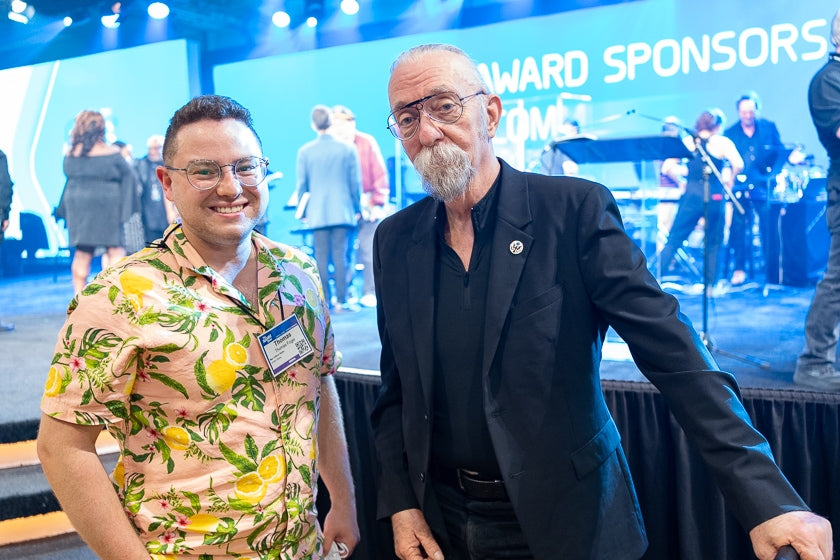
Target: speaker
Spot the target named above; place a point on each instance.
(805, 242)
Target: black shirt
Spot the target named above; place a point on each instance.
(460, 436)
(823, 97)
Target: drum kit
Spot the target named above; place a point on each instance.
(793, 181)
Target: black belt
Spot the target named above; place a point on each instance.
(474, 485)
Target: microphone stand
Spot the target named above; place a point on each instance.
(711, 168)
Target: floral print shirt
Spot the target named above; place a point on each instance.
(218, 454)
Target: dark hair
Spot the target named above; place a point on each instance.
(204, 107)
(88, 129)
(709, 120)
(321, 117)
(749, 96)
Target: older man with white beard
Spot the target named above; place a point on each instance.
(493, 298)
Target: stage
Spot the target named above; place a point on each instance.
(758, 333)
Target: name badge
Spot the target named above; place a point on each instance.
(285, 345)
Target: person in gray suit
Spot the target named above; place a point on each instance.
(329, 185)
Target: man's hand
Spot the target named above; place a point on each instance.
(341, 526)
(413, 539)
(808, 533)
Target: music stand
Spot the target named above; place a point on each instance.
(625, 149)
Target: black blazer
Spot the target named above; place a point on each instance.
(548, 309)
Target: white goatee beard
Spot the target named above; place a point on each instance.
(446, 171)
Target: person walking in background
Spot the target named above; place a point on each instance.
(156, 210)
(816, 364)
(693, 205)
(98, 197)
(223, 432)
(5, 208)
(375, 194)
(329, 184)
(760, 145)
(494, 296)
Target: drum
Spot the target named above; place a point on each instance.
(790, 184)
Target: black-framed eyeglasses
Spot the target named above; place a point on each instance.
(444, 107)
(205, 174)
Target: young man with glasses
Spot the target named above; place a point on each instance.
(494, 295)
(208, 357)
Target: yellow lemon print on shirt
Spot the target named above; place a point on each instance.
(220, 376)
(203, 523)
(53, 386)
(236, 355)
(272, 468)
(250, 488)
(176, 437)
(118, 475)
(135, 286)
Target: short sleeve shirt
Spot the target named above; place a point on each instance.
(218, 454)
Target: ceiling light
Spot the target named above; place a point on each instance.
(21, 12)
(158, 10)
(281, 19)
(311, 21)
(350, 7)
(111, 21)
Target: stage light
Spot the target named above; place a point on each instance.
(158, 10)
(111, 22)
(21, 12)
(311, 21)
(68, 21)
(281, 19)
(350, 7)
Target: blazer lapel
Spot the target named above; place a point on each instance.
(420, 264)
(511, 245)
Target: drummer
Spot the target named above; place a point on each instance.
(759, 143)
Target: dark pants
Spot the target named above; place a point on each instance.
(479, 530)
(331, 246)
(690, 211)
(821, 325)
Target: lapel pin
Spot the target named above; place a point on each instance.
(516, 247)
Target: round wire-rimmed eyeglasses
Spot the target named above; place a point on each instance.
(205, 174)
